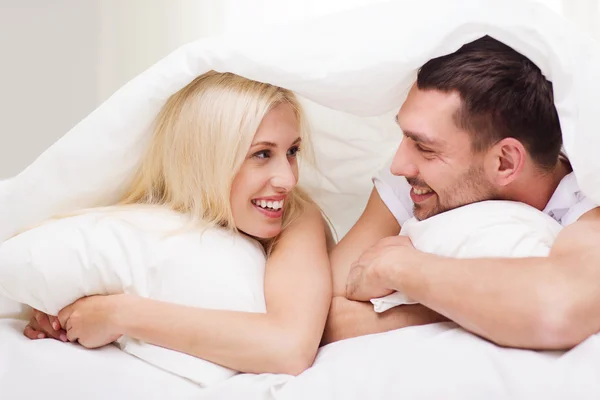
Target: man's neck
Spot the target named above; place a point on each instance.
(538, 188)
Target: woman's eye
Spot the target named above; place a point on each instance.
(262, 154)
(293, 151)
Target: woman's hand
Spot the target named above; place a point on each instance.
(91, 320)
(42, 326)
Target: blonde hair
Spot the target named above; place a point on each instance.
(201, 138)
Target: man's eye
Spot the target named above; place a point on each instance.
(423, 149)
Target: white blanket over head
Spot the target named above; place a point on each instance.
(353, 71)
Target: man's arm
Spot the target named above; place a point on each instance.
(349, 318)
(538, 303)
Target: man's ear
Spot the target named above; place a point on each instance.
(505, 161)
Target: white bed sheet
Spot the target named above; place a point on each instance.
(12, 309)
(438, 361)
(49, 369)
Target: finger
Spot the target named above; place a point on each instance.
(54, 322)
(37, 329)
(45, 326)
(399, 240)
(33, 334)
(350, 290)
(33, 323)
(72, 335)
(368, 254)
(403, 241)
(65, 314)
(42, 322)
(352, 281)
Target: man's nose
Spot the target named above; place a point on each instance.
(402, 164)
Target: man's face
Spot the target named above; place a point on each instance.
(435, 155)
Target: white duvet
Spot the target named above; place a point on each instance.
(352, 71)
(438, 361)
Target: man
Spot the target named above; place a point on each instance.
(478, 124)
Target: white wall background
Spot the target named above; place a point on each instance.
(60, 59)
(48, 74)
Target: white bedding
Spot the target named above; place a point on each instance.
(438, 361)
(147, 251)
(357, 63)
(49, 369)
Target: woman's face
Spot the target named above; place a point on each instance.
(268, 174)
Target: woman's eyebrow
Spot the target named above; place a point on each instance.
(271, 144)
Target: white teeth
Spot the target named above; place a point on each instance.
(421, 191)
(274, 205)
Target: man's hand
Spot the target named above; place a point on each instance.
(369, 275)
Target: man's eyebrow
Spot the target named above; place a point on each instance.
(419, 137)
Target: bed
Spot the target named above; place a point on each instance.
(427, 362)
(351, 89)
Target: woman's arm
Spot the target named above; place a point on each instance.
(349, 318)
(375, 223)
(284, 340)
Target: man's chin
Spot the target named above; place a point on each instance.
(422, 213)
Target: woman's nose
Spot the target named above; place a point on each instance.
(285, 177)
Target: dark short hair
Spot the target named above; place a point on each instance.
(504, 94)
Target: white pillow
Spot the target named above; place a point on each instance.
(483, 229)
(149, 252)
(12, 309)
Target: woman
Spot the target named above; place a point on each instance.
(225, 152)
